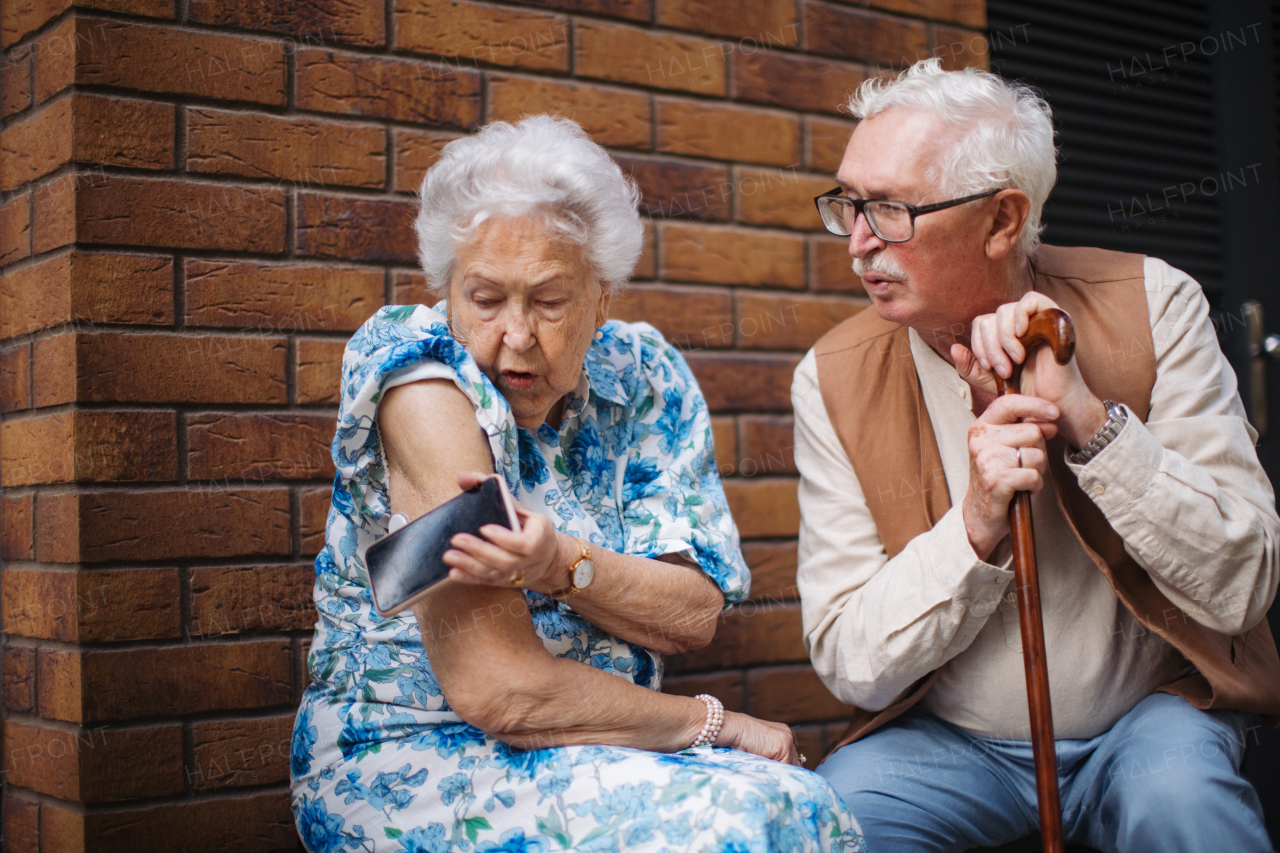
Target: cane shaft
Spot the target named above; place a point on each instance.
(1060, 336)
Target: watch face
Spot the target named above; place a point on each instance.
(583, 574)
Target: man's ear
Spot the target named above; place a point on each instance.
(1012, 209)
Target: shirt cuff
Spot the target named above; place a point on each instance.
(1123, 470)
(976, 580)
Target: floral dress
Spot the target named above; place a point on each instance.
(380, 762)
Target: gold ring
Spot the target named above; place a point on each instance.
(803, 760)
(517, 579)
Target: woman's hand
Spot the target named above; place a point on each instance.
(758, 737)
(532, 558)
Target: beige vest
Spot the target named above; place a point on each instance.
(868, 381)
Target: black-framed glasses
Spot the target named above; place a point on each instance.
(891, 221)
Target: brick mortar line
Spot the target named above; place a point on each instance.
(197, 797)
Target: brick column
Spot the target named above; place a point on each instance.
(200, 200)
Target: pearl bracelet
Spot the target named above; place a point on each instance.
(715, 719)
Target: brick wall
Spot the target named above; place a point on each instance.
(201, 199)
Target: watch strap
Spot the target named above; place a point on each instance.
(1117, 417)
(572, 589)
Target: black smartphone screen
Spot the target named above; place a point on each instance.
(405, 564)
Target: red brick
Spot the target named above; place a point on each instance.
(93, 607)
(647, 266)
(161, 59)
(825, 141)
(87, 288)
(689, 317)
(416, 151)
(793, 321)
(396, 89)
(89, 447)
(356, 229)
(87, 686)
(968, 13)
(728, 132)
(20, 17)
(259, 447)
(831, 268)
(749, 635)
(764, 507)
(319, 370)
(54, 220)
(614, 117)
(636, 10)
(481, 33)
(281, 299)
(783, 198)
(233, 753)
(19, 678)
(17, 535)
(768, 445)
(254, 823)
(960, 48)
(21, 824)
(310, 22)
(53, 370)
(796, 82)
(755, 24)
(315, 514)
(744, 382)
(792, 694)
(158, 368)
(115, 131)
(865, 36)
(677, 188)
(15, 378)
(731, 256)
(36, 145)
(54, 58)
(724, 437)
(251, 598)
(646, 58)
(411, 289)
(773, 569)
(15, 82)
(725, 686)
(197, 522)
(96, 766)
(306, 151)
(15, 228)
(179, 214)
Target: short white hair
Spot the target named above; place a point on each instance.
(543, 166)
(1008, 132)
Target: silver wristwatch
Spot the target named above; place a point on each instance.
(1117, 416)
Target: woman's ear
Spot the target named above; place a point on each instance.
(1013, 208)
(602, 307)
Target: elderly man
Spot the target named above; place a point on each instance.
(1155, 524)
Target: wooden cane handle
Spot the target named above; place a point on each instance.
(1053, 327)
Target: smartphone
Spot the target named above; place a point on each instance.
(406, 563)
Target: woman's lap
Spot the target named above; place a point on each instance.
(408, 796)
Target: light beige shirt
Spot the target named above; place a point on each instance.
(1185, 492)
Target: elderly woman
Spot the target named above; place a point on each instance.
(518, 707)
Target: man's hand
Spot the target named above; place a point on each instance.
(995, 349)
(1005, 457)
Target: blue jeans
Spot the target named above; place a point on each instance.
(1165, 778)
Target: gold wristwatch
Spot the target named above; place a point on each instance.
(580, 573)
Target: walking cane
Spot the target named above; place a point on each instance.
(1053, 327)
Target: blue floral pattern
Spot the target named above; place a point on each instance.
(380, 762)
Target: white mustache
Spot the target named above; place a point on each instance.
(880, 264)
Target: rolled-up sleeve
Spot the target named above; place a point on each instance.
(673, 501)
(874, 625)
(1185, 490)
